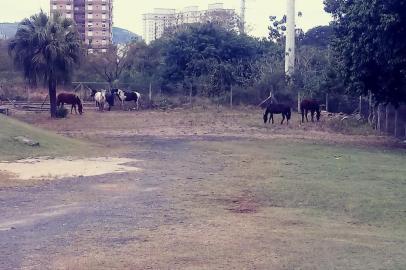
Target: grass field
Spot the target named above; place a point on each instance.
(219, 190)
(51, 144)
(281, 204)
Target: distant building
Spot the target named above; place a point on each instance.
(93, 18)
(157, 22)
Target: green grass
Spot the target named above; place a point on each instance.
(365, 186)
(50, 144)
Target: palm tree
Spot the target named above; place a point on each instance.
(46, 49)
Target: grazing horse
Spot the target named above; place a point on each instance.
(70, 99)
(274, 108)
(312, 106)
(127, 96)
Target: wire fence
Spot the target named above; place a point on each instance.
(384, 118)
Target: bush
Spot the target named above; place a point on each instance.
(61, 112)
(350, 125)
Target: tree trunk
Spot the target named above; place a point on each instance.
(52, 97)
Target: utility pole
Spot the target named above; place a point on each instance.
(291, 44)
(290, 39)
(242, 15)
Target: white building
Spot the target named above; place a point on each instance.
(161, 19)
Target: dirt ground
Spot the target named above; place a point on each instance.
(242, 122)
(214, 190)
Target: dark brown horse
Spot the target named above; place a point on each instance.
(312, 106)
(70, 99)
(274, 108)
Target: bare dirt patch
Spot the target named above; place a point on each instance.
(56, 168)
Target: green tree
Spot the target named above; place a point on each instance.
(370, 46)
(212, 56)
(46, 49)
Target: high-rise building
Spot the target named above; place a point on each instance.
(93, 18)
(162, 19)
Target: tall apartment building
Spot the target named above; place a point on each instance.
(155, 23)
(93, 18)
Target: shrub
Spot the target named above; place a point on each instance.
(61, 112)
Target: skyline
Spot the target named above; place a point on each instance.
(257, 13)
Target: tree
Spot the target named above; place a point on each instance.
(146, 60)
(46, 49)
(370, 46)
(111, 64)
(211, 55)
(319, 36)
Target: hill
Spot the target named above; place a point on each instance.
(51, 144)
(120, 35)
(8, 30)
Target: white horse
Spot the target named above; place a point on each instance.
(100, 98)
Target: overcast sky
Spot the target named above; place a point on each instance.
(128, 13)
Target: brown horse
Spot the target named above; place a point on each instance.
(70, 99)
(312, 106)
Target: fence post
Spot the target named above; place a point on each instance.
(83, 91)
(231, 96)
(28, 94)
(150, 92)
(405, 130)
(327, 102)
(396, 122)
(387, 119)
(379, 118)
(360, 106)
(298, 101)
(371, 113)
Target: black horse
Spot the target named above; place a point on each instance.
(277, 109)
(312, 106)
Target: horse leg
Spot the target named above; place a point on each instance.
(283, 118)
(312, 113)
(306, 113)
(272, 118)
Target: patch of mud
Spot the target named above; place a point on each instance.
(243, 204)
(48, 168)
